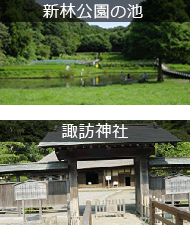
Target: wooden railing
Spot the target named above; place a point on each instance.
(179, 214)
(87, 216)
(110, 207)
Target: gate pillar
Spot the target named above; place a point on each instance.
(141, 180)
(72, 192)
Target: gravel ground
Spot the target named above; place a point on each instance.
(93, 195)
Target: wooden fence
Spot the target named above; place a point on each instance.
(110, 207)
(180, 214)
(87, 216)
(145, 207)
(57, 195)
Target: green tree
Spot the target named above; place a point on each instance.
(2, 56)
(42, 52)
(56, 48)
(4, 36)
(11, 10)
(117, 40)
(18, 152)
(9, 152)
(21, 37)
(95, 43)
(159, 40)
(164, 11)
(168, 150)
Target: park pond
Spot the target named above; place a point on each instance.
(92, 80)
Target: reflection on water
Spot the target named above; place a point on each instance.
(100, 80)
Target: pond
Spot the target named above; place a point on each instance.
(55, 61)
(92, 80)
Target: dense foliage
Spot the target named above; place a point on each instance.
(165, 40)
(167, 150)
(25, 41)
(22, 42)
(18, 152)
(166, 37)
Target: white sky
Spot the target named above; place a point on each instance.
(109, 24)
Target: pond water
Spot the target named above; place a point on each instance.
(55, 61)
(93, 80)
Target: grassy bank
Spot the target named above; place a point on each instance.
(59, 70)
(171, 92)
(110, 62)
(179, 67)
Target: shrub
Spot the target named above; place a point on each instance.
(67, 74)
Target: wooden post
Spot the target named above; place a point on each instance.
(173, 205)
(142, 206)
(17, 178)
(149, 198)
(68, 212)
(152, 212)
(189, 201)
(19, 209)
(23, 211)
(141, 180)
(123, 207)
(145, 206)
(73, 188)
(96, 208)
(179, 221)
(40, 208)
(68, 199)
(163, 214)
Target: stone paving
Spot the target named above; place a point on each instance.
(129, 220)
(128, 194)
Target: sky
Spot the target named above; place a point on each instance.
(109, 24)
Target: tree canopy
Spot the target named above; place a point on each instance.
(165, 40)
(95, 43)
(164, 11)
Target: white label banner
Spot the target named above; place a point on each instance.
(108, 177)
(177, 185)
(30, 190)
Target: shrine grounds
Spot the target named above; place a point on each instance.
(127, 193)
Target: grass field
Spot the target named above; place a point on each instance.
(179, 67)
(171, 92)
